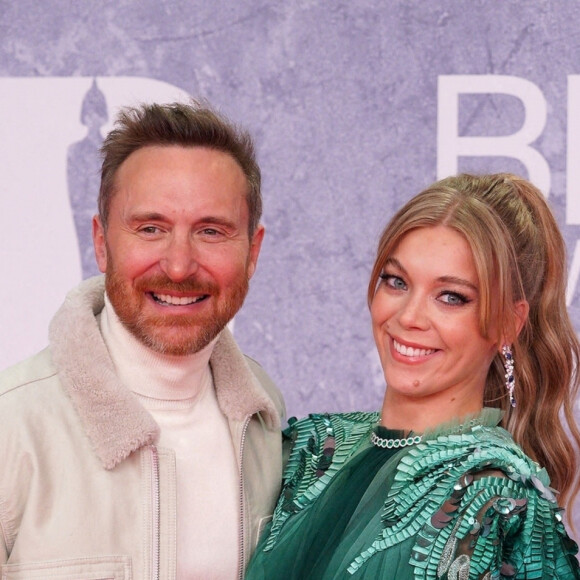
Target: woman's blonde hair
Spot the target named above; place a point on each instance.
(519, 254)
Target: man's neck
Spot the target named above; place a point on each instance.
(150, 373)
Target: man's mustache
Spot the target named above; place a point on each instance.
(191, 285)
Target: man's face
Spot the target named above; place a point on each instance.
(176, 251)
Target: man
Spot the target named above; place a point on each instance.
(142, 443)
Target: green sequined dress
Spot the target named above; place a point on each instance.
(465, 503)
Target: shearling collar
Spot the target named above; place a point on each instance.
(114, 420)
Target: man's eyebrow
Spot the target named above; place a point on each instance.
(221, 221)
(145, 216)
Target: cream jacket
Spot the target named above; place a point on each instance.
(85, 493)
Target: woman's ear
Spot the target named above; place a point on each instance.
(521, 311)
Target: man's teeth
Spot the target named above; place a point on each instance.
(176, 300)
(409, 351)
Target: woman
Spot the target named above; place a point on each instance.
(469, 318)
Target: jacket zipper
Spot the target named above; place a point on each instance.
(241, 553)
(155, 514)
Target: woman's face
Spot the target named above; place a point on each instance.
(425, 317)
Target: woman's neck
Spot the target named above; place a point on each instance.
(424, 413)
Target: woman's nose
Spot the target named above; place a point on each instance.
(413, 313)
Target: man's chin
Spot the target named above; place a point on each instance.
(174, 343)
(170, 348)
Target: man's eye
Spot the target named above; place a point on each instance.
(149, 229)
(213, 233)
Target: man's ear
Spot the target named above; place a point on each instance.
(99, 243)
(255, 245)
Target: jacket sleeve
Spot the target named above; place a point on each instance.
(3, 547)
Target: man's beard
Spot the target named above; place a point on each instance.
(176, 335)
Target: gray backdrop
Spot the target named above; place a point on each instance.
(343, 98)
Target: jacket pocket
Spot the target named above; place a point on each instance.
(102, 568)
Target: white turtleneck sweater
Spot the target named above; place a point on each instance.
(179, 393)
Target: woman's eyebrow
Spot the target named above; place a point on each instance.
(444, 279)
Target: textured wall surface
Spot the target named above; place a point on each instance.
(342, 98)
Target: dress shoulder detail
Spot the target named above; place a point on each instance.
(321, 444)
(476, 505)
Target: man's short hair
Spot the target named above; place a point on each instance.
(193, 124)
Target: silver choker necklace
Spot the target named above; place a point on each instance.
(394, 443)
(404, 442)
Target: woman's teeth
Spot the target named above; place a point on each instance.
(410, 351)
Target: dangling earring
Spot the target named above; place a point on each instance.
(510, 381)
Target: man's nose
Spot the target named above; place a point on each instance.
(180, 259)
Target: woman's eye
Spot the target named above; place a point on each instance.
(453, 298)
(394, 282)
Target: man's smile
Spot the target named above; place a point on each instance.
(167, 299)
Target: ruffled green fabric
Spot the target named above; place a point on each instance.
(464, 503)
(321, 446)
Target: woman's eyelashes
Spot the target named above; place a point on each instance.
(453, 298)
(392, 281)
(447, 297)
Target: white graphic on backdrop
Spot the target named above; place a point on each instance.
(42, 127)
(519, 145)
(51, 128)
(451, 145)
